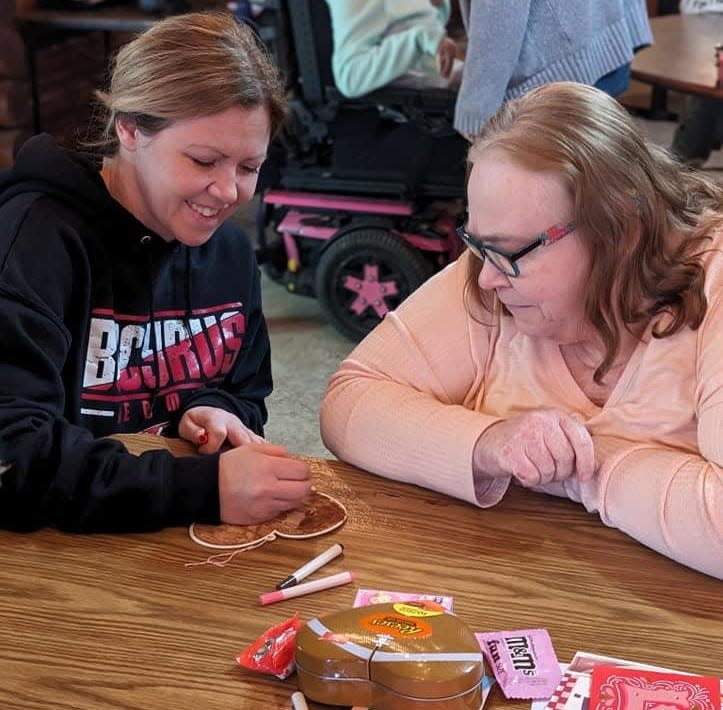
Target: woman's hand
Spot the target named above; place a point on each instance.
(446, 53)
(535, 448)
(257, 482)
(208, 428)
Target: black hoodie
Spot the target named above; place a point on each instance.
(108, 328)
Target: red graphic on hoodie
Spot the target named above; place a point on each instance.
(137, 358)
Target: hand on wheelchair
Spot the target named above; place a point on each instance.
(446, 54)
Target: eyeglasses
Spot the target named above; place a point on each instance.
(506, 261)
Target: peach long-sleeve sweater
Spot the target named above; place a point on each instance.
(412, 399)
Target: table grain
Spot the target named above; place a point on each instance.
(119, 621)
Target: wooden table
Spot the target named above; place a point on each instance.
(106, 18)
(90, 622)
(42, 24)
(683, 56)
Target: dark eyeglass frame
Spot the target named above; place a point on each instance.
(508, 263)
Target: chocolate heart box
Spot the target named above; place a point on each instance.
(401, 656)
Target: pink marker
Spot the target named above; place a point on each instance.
(298, 590)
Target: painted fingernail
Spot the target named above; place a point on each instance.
(203, 438)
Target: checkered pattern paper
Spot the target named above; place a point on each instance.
(559, 698)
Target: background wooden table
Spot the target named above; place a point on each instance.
(117, 621)
(683, 56)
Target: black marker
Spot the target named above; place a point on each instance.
(311, 567)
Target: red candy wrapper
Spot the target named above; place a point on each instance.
(273, 651)
(524, 662)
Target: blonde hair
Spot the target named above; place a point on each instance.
(188, 66)
(643, 217)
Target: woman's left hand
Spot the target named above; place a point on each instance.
(446, 53)
(209, 428)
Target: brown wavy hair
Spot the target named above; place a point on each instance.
(188, 66)
(644, 218)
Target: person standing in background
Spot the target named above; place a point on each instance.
(700, 130)
(515, 45)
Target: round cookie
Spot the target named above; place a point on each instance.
(320, 515)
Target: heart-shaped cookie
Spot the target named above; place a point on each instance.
(320, 515)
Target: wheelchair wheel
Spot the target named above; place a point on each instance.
(365, 274)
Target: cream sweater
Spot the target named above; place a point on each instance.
(380, 41)
(412, 399)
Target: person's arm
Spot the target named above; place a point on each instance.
(364, 59)
(495, 35)
(55, 471)
(672, 500)
(402, 404)
(669, 500)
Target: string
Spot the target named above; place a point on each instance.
(223, 558)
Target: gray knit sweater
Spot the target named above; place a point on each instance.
(514, 45)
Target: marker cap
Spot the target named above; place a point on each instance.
(271, 597)
(290, 581)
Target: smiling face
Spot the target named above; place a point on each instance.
(508, 206)
(184, 181)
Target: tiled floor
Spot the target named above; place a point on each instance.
(306, 350)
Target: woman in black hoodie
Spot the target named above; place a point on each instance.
(128, 303)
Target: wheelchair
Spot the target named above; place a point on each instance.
(359, 198)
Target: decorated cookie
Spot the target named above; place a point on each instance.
(320, 515)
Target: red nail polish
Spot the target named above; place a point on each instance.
(203, 438)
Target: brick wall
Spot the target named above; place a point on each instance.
(69, 67)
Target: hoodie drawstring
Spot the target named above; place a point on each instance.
(153, 340)
(189, 313)
(147, 244)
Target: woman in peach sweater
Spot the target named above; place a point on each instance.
(582, 359)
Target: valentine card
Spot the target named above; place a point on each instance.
(614, 688)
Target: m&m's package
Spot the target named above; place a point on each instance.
(524, 662)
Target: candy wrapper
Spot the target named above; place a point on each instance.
(365, 597)
(273, 651)
(524, 662)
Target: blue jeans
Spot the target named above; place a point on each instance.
(616, 81)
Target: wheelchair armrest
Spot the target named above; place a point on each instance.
(432, 110)
(428, 101)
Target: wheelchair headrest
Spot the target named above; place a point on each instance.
(314, 44)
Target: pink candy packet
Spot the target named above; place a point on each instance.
(365, 597)
(524, 662)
